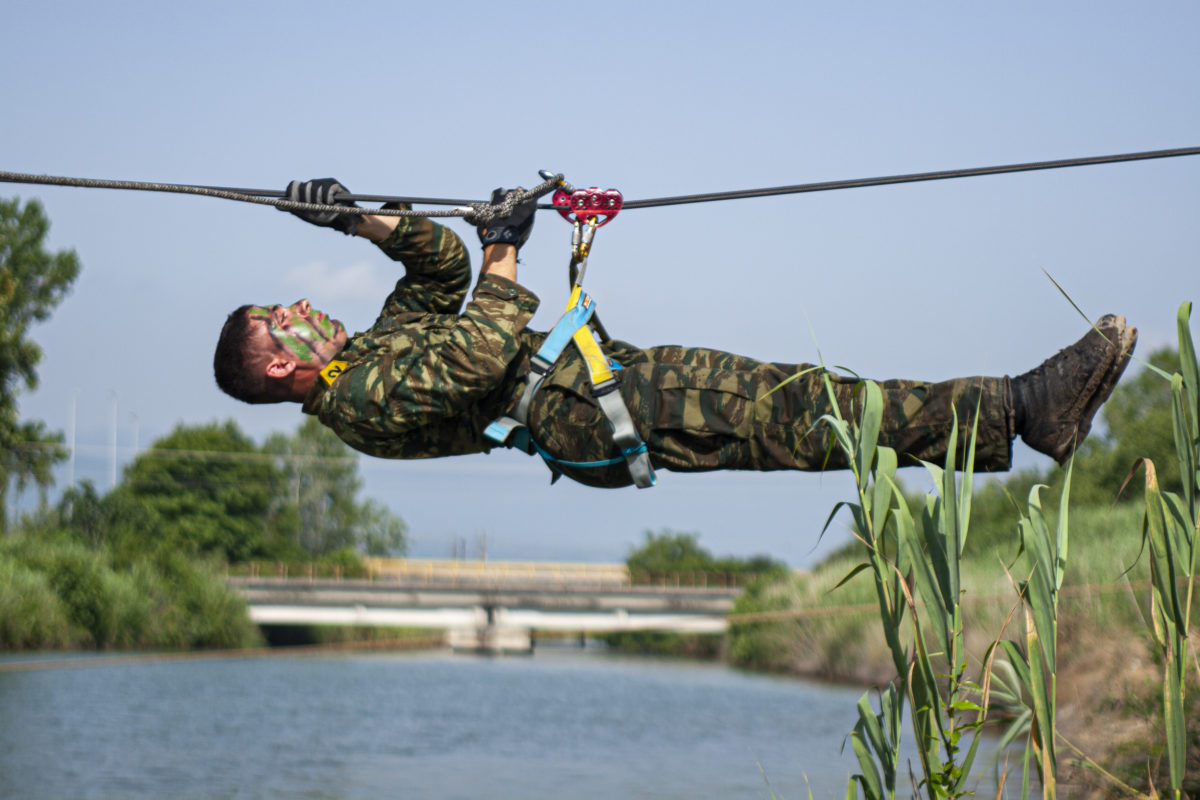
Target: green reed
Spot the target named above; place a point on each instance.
(907, 560)
(1170, 530)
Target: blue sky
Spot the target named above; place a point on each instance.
(923, 281)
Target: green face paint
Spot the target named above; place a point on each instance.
(307, 335)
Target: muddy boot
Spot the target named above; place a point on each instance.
(1053, 404)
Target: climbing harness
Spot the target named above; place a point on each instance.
(587, 210)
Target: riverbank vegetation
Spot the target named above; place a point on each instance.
(143, 565)
(137, 567)
(1085, 659)
(57, 592)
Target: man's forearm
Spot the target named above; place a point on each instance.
(500, 260)
(376, 228)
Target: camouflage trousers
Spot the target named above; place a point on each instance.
(700, 410)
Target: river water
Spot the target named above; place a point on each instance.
(563, 723)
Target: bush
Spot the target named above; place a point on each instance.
(31, 614)
(57, 592)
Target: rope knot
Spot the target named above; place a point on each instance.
(485, 213)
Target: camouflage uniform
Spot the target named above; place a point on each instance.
(427, 378)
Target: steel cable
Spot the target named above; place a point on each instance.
(913, 178)
(482, 212)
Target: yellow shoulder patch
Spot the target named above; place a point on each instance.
(332, 370)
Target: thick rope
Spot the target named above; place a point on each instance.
(483, 213)
(475, 213)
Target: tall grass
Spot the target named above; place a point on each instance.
(928, 652)
(1034, 670)
(1171, 528)
(917, 588)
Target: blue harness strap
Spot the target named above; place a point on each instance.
(513, 431)
(502, 428)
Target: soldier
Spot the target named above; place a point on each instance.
(430, 375)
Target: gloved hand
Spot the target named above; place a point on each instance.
(513, 229)
(324, 191)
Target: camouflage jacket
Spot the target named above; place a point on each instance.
(429, 375)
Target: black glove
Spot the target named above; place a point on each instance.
(324, 191)
(513, 229)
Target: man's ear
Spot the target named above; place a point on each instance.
(280, 368)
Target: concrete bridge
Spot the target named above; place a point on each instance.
(490, 610)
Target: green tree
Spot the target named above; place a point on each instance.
(382, 533)
(32, 282)
(1137, 422)
(321, 479)
(204, 489)
(671, 551)
(322, 513)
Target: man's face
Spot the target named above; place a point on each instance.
(300, 332)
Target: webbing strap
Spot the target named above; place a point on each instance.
(512, 430)
(575, 318)
(626, 436)
(604, 386)
(604, 462)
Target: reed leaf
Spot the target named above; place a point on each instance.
(1185, 451)
(882, 732)
(857, 569)
(1157, 532)
(934, 530)
(832, 514)
(1041, 690)
(868, 432)
(885, 473)
(968, 761)
(1189, 366)
(1061, 538)
(1174, 721)
(966, 490)
(868, 778)
(925, 578)
(949, 527)
(1046, 556)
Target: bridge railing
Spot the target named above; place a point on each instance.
(698, 579)
(453, 571)
(461, 570)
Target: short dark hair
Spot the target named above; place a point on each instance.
(232, 364)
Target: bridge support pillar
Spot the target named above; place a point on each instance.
(490, 635)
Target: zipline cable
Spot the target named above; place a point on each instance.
(915, 177)
(481, 212)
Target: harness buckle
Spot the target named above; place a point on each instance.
(539, 366)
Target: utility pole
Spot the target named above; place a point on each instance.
(112, 445)
(71, 460)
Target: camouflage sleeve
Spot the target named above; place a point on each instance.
(463, 364)
(436, 264)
